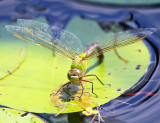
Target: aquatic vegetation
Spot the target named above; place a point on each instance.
(12, 115)
(42, 72)
(68, 45)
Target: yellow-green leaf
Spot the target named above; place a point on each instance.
(30, 86)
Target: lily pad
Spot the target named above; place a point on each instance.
(15, 116)
(12, 54)
(29, 88)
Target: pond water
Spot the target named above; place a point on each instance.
(138, 104)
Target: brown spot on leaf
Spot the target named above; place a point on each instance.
(9, 72)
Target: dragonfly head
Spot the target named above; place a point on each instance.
(75, 75)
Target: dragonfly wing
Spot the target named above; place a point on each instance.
(112, 40)
(28, 35)
(63, 38)
(69, 39)
(35, 25)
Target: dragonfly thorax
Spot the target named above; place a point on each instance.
(75, 75)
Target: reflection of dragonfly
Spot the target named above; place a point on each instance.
(68, 45)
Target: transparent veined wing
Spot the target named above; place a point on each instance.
(69, 40)
(26, 34)
(110, 41)
(61, 41)
(65, 38)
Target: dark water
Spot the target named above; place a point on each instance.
(145, 94)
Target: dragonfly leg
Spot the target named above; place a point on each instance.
(97, 79)
(92, 86)
(115, 50)
(62, 87)
(82, 90)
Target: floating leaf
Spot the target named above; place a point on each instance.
(12, 53)
(29, 88)
(15, 116)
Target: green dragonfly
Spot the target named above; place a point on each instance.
(69, 45)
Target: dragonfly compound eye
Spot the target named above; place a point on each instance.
(75, 72)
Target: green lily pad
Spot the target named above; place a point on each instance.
(12, 54)
(15, 116)
(29, 87)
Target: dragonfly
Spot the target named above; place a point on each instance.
(68, 45)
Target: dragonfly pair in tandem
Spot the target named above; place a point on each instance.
(68, 45)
